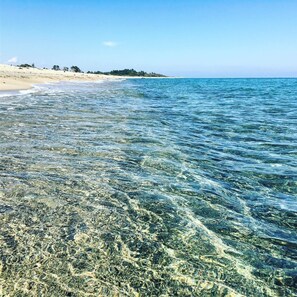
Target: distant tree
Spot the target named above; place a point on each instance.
(25, 65)
(33, 65)
(65, 69)
(95, 72)
(56, 67)
(128, 72)
(132, 72)
(75, 69)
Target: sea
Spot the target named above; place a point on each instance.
(149, 187)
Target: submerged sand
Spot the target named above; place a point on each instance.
(17, 78)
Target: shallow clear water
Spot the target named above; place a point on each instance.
(172, 187)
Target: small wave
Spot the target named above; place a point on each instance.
(8, 93)
(12, 93)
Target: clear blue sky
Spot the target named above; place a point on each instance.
(195, 38)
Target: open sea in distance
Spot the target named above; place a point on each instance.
(150, 187)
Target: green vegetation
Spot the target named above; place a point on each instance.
(123, 72)
(26, 65)
(75, 69)
(128, 72)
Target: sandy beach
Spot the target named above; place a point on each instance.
(16, 78)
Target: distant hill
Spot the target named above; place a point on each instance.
(129, 72)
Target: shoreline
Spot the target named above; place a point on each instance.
(14, 78)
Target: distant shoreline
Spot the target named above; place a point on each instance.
(15, 78)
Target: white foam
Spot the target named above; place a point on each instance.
(34, 89)
(8, 93)
(59, 87)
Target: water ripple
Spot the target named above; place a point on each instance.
(180, 187)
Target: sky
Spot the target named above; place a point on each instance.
(191, 38)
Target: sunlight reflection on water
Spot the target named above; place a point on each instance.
(153, 187)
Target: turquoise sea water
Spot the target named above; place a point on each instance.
(154, 187)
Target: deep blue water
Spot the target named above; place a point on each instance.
(156, 187)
